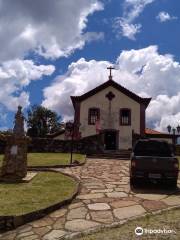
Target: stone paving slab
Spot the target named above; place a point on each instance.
(80, 225)
(98, 206)
(54, 235)
(76, 213)
(105, 198)
(102, 216)
(90, 196)
(122, 203)
(128, 212)
(172, 200)
(151, 196)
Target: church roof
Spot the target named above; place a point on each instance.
(114, 84)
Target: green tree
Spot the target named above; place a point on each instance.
(42, 121)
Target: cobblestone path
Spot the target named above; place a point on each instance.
(105, 198)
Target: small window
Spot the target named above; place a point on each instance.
(125, 116)
(94, 115)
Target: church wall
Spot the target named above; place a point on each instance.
(120, 101)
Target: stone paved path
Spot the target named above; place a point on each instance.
(105, 198)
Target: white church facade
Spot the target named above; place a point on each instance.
(111, 111)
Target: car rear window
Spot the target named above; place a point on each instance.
(152, 148)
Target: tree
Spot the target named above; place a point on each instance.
(42, 121)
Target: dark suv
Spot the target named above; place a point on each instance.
(152, 159)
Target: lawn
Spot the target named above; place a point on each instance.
(168, 220)
(45, 189)
(49, 159)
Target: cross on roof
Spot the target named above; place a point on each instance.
(110, 75)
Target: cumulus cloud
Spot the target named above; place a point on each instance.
(145, 71)
(81, 76)
(165, 16)
(125, 25)
(15, 75)
(51, 28)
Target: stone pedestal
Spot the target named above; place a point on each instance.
(14, 165)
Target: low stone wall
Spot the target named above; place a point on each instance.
(2, 146)
(86, 145)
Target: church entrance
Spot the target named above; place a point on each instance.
(110, 140)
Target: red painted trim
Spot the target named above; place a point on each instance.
(120, 117)
(144, 101)
(89, 116)
(77, 120)
(142, 119)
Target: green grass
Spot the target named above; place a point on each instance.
(167, 220)
(45, 189)
(49, 159)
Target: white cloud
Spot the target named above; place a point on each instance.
(144, 71)
(15, 75)
(132, 9)
(50, 27)
(80, 77)
(129, 30)
(164, 17)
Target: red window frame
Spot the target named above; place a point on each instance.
(122, 120)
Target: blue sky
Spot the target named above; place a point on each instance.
(54, 49)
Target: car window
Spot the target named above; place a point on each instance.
(152, 148)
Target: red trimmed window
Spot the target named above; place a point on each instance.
(93, 115)
(125, 116)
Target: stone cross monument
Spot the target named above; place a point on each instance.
(14, 167)
(18, 129)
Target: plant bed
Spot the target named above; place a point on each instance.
(24, 202)
(52, 159)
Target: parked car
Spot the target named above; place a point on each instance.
(152, 159)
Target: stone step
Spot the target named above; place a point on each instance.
(112, 154)
(109, 156)
(106, 157)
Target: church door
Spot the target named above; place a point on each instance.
(110, 140)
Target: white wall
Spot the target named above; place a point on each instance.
(120, 101)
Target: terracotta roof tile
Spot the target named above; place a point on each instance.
(152, 131)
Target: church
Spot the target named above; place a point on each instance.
(112, 111)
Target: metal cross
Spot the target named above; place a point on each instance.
(110, 75)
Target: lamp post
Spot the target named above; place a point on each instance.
(70, 129)
(178, 129)
(169, 128)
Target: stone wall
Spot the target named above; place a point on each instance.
(86, 145)
(2, 146)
